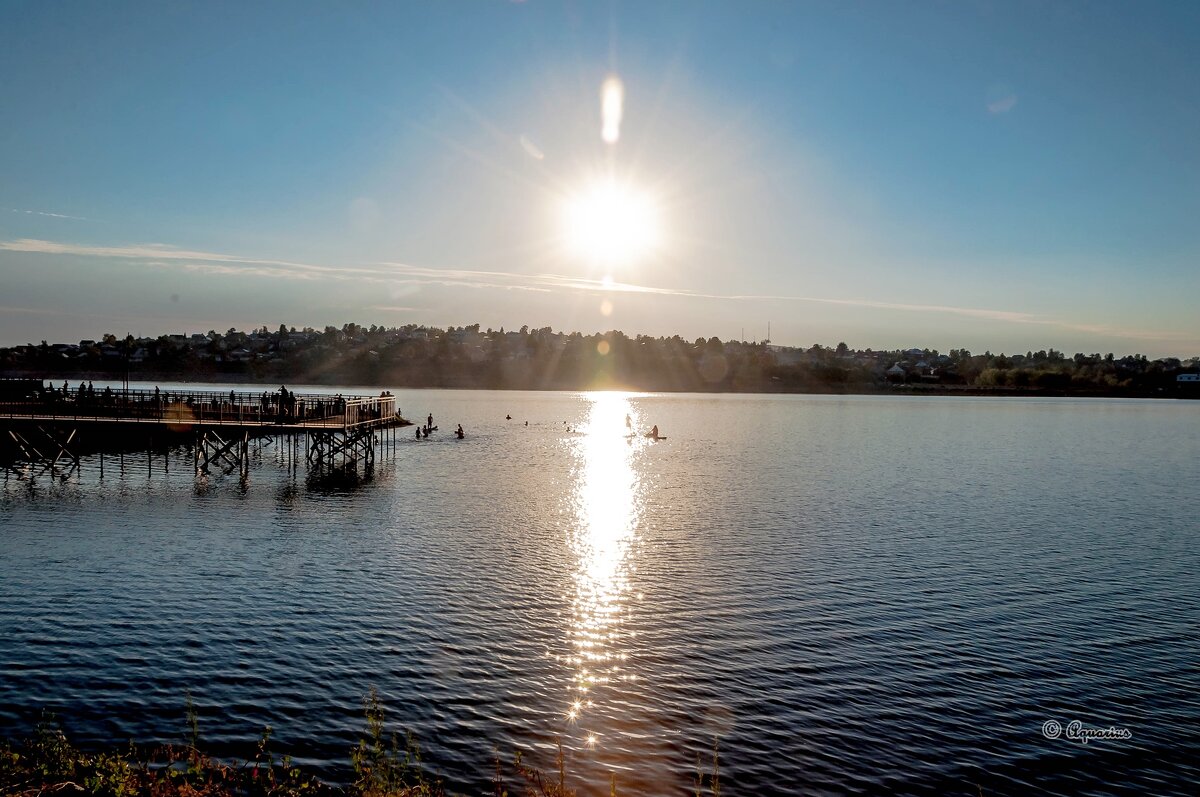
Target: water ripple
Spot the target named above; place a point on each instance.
(850, 596)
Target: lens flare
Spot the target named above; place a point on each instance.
(612, 103)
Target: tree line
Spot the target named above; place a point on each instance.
(471, 357)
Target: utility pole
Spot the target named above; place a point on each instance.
(125, 376)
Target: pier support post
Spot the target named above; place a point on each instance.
(229, 455)
(32, 441)
(351, 445)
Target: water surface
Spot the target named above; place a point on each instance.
(849, 595)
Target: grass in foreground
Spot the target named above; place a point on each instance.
(48, 764)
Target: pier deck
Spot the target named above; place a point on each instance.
(295, 412)
(48, 423)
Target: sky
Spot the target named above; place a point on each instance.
(1004, 176)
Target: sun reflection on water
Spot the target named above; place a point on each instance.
(607, 506)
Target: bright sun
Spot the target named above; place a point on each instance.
(611, 223)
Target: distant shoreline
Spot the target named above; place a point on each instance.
(466, 358)
(845, 390)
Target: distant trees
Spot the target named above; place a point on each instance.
(541, 358)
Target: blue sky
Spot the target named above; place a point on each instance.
(1003, 176)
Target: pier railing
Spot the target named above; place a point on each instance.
(204, 407)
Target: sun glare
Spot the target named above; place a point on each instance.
(608, 507)
(611, 223)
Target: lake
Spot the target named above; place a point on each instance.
(844, 594)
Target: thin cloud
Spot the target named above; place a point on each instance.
(452, 282)
(162, 255)
(1011, 316)
(51, 215)
(1007, 316)
(139, 251)
(235, 269)
(1003, 104)
(403, 274)
(388, 308)
(29, 310)
(77, 314)
(1133, 334)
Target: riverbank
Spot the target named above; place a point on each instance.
(769, 388)
(48, 763)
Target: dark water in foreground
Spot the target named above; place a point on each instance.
(859, 595)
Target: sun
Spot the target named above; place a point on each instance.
(611, 223)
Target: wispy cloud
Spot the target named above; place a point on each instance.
(236, 269)
(1011, 316)
(76, 313)
(135, 251)
(28, 310)
(162, 255)
(403, 274)
(390, 308)
(45, 213)
(1119, 332)
(1002, 104)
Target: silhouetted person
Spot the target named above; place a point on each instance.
(654, 432)
(429, 421)
(459, 432)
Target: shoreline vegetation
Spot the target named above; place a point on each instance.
(541, 359)
(383, 765)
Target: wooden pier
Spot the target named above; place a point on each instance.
(47, 429)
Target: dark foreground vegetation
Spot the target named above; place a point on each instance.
(383, 766)
(541, 359)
